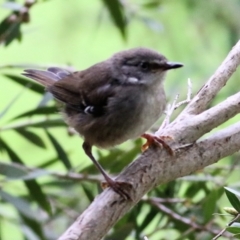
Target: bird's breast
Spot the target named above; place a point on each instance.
(127, 116)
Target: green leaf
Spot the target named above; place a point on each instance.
(235, 229)
(210, 204)
(48, 163)
(34, 225)
(148, 218)
(5, 110)
(60, 151)
(27, 214)
(152, 4)
(9, 30)
(87, 188)
(13, 33)
(233, 191)
(4, 26)
(48, 123)
(18, 172)
(24, 82)
(37, 124)
(31, 137)
(20, 204)
(46, 110)
(121, 232)
(33, 187)
(13, 156)
(12, 171)
(231, 195)
(115, 9)
(37, 194)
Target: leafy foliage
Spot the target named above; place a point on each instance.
(234, 225)
(46, 180)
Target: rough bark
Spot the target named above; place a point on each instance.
(156, 166)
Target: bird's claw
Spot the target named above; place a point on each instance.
(122, 188)
(153, 140)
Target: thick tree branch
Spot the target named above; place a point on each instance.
(156, 166)
(191, 127)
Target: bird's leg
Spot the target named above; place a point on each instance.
(115, 185)
(152, 139)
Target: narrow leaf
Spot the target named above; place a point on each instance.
(33, 187)
(36, 124)
(235, 231)
(38, 111)
(148, 218)
(231, 195)
(152, 4)
(89, 192)
(20, 204)
(37, 194)
(24, 82)
(48, 163)
(233, 191)
(60, 151)
(4, 26)
(31, 137)
(209, 206)
(115, 9)
(13, 33)
(5, 110)
(121, 232)
(18, 172)
(12, 171)
(34, 225)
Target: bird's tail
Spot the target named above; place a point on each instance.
(46, 78)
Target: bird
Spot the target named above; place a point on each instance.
(112, 101)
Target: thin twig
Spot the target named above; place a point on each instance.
(229, 224)
(189, 95)
(180, 218)
(31, 171)
(169, 112)
(172, 107)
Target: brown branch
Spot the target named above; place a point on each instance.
(182, 219)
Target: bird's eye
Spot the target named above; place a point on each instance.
(145, 66)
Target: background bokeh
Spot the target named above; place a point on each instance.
(78, 34)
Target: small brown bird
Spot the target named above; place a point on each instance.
(112, 101)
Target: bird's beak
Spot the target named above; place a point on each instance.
(172, 65)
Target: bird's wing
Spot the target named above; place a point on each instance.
(86, 91)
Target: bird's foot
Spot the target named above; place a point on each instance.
(155, 140)
(122, 188)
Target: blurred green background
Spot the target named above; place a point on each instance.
(78, 34)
